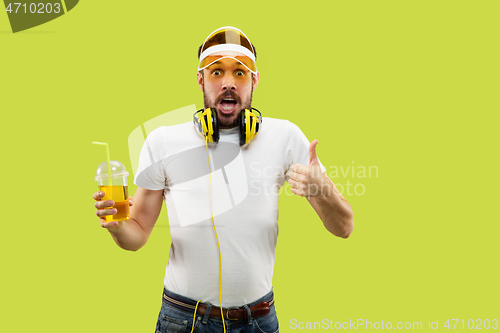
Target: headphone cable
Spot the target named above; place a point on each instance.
(217, 238)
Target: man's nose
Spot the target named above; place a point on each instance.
(228, 82)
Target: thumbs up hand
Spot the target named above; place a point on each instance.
(309, 181)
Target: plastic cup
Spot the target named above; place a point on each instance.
(115, 187)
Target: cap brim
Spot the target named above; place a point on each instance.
(244, 60)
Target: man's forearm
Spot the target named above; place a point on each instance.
(129, 236)
(335, 212)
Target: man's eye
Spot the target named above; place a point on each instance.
(240, 73)
(216, 72)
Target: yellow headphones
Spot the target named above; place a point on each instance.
(207, 123)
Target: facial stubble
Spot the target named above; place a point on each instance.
(225, 122)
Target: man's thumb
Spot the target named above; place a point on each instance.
(313, 158)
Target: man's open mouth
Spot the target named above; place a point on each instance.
(228, 105)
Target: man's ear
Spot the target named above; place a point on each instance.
(199, 77)
(256, 78)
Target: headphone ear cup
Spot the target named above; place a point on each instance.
(246, 117)
(243, 134)
(251, 120)
(206, 119)
(198, 121)
(215, 126)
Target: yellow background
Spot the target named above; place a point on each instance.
(410, 87)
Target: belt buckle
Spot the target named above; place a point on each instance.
(227, 313)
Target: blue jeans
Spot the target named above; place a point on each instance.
(173, 319)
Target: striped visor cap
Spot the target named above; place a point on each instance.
(228, 42)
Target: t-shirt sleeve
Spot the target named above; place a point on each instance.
(297, 149)
(150, 172)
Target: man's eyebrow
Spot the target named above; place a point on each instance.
(218, 62)
(214, 63)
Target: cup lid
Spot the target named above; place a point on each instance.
(117, 170)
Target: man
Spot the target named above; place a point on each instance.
(224, 227)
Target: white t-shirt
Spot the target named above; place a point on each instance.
(245, 189)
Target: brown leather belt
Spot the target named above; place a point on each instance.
(258, 310)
